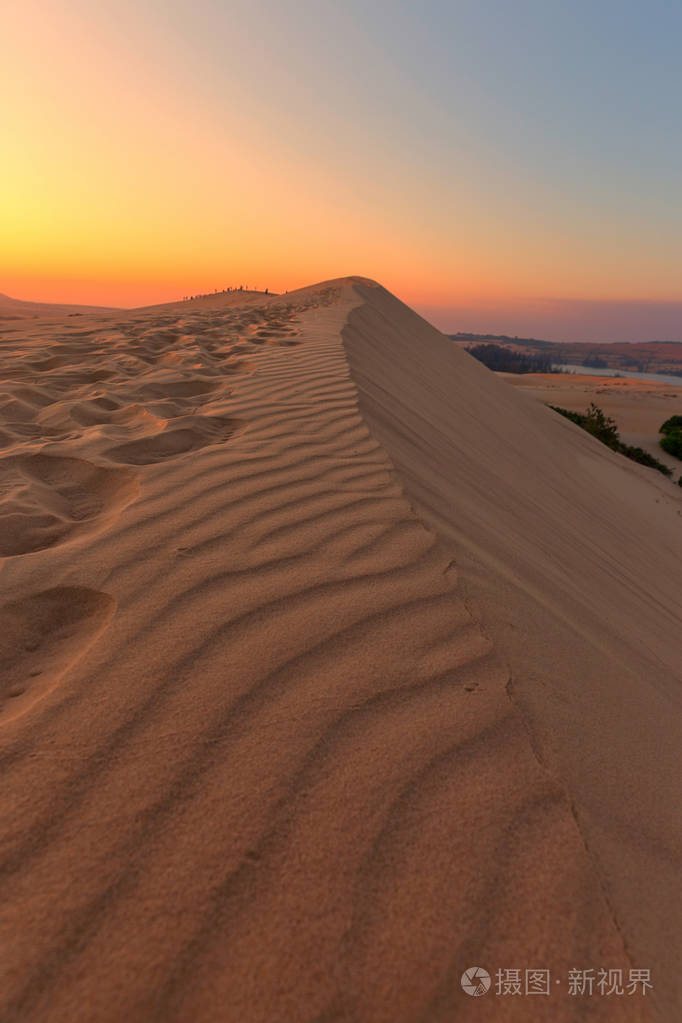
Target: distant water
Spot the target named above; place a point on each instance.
(662, 378)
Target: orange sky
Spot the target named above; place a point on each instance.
(156, 151)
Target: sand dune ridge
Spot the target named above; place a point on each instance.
(281, 770)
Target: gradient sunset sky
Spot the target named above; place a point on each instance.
(502, 165)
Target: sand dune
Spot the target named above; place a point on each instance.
(330, 667)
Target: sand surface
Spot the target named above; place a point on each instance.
(330, 666)
(639, 407)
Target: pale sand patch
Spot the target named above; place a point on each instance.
(352, 696)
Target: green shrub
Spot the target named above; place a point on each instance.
(671, 425)
(602, 427)
(575, 417)
(644, 458)
(672, 443)
(595, 422)
(605, 429)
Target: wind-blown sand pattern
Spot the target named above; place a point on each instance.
(330, 667)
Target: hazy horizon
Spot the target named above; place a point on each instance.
(504, 166)
(560, 320)
(565, 320)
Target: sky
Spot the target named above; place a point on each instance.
(501, 166)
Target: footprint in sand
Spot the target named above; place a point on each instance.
(195, 432)
(47, 499)
(41, 637)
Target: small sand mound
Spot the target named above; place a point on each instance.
(198, 432)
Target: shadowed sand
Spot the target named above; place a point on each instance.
(360, 668)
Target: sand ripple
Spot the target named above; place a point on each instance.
(271, 770)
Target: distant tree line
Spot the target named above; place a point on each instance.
(605, 429)
(628, 360)
(505, 360)
(531, 342)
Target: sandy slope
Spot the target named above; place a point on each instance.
(638, 406)
(330, 666)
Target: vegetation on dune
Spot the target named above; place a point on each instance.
(505, 360)
(671, 441)
(605, 429)
(595, 422)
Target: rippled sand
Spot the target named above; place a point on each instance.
(330, 666)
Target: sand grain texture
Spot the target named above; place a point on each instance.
(343, 667)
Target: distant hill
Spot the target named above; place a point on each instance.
(17, 309)
(641, 356)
